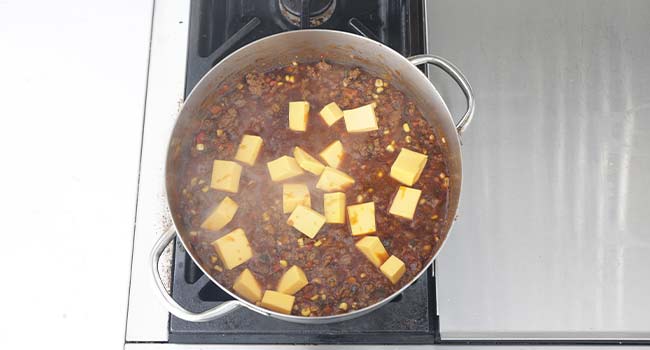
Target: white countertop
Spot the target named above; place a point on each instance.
(72, 81)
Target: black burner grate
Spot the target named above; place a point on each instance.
(217, 28)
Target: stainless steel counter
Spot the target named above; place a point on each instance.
(553, 236)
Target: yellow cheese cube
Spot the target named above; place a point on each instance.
(293, 195)
(221, 215)
(333, 154)
(292, 281)
(393, 268)
(307, 162)
(373, 249)
(334, 180)
(405, 201)
(331, 113)
(306, 220)
(283, 168)
(278, 302)
(249, 149)
(362, 218)
(233, 249)
(225, 176)
(408, 166)
(247, 286)
(334, 204)
(360, 119)
(298, 115)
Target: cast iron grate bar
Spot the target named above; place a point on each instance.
(304, 14)
(362, 29)
(232, 41)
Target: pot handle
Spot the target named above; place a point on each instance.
(172, 306)
(460, 79)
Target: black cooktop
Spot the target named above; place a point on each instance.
(217, 28)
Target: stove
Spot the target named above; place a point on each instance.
(216, 29)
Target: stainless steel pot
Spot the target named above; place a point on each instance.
(309, 46)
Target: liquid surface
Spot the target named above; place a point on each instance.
(341, 279)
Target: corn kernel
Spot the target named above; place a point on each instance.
(408, 139)
(363, 275)
(406, 127)
(386, 132)
(301, 242)
(200, 147)
(359, 198)
(343, 306)
(283, 263)
(219, 132)
(205, 189)
(379, 90)
(375, 96)
(434, 217)
(318, 243)
(218, 268)
(323, 297)
(213, 259)
(294, 63)
(380, 174)
(266, 216)
(314, 297)
(431, 137)
(390, 148)
(305, 311)
(379, 83)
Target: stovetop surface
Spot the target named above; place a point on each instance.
(217, 28)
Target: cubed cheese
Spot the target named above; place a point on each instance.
(292, 281)
(221, 215)
(393, 268)
(307, 162)
(278, 302)
(405, 201)
(249, 149)
(306, 220)
(362, 218)
(293, 195)
(247, 286)
(334, 180)
(408, 166)
(298, 115)
(225, 176)
(333, 154)
(233, 249)
(331, 113)
(373, 249)
(284, 168)
(360, 119)
(334, 204)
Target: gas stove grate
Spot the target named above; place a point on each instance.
(217, 28)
